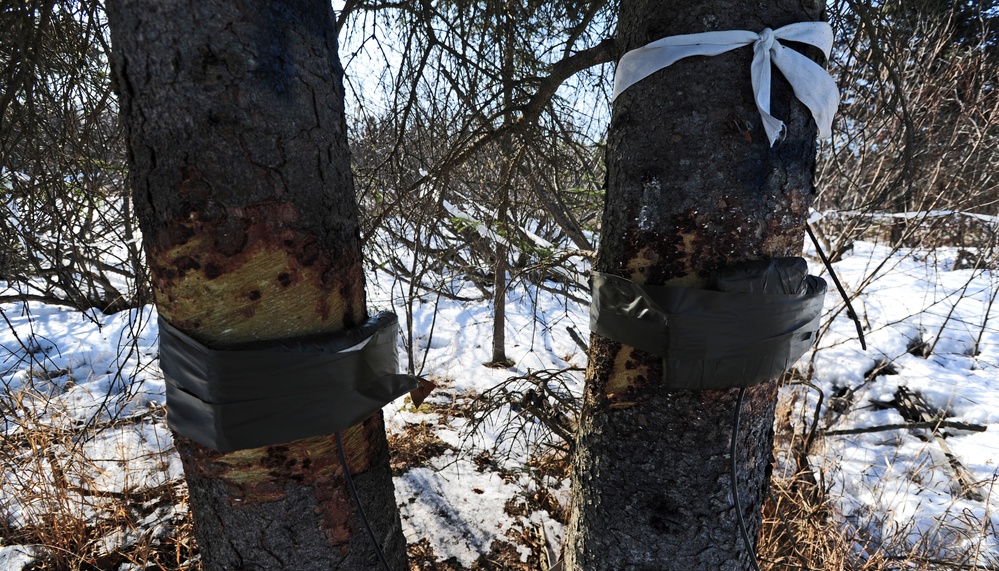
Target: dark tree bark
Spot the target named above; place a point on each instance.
(499, 359)
(242, 187)
(693, 186)
(505, 30)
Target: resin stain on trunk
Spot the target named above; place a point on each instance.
(267, 278)
(269, 474)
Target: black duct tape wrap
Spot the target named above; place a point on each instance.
(750, 325)
(279, 391)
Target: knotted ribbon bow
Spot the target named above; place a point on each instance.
(811, 83)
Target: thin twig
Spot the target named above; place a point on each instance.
(908, 426)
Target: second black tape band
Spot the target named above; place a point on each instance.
(753, 323)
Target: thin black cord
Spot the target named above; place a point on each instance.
(735, 484)
(849, 306)
(357, 502)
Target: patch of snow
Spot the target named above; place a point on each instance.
(18, 557)
(459, 510)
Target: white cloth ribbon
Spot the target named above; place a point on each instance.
(811, 83)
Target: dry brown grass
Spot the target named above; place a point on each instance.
(67, 510)
(803, 530)
(414, 447)
(86, 507)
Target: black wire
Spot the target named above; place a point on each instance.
(735, 484)
(357, 502)
(842, 292)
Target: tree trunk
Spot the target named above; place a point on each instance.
(242, 187)
(505, 29)
(499, 359)
(693, 186)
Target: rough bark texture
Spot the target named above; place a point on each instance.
(505, 30)
(242, 186)
(499, 305)
(693, 186)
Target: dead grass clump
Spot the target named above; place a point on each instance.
(422, 558)
(803, 528)
(546, 471)
(505, 556)
(414, 447)
(801, 531)
(90, 498)
(502, 556)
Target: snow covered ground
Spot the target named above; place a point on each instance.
(69, 371)
(896, 484)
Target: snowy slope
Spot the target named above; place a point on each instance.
(68, 371)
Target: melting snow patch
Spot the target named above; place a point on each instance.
(459, 510)
(18, 557)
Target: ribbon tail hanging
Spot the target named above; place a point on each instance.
(761, 76)
(812, 86)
